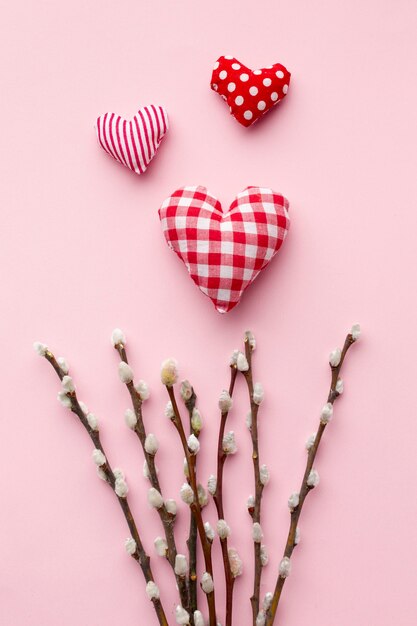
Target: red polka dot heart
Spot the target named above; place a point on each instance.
(249, 93)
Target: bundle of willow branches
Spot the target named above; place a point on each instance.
(192, 492)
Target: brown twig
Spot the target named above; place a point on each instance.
(167, 519)
(195, 506)
(218, 500)
(305, 488)
(192, 534)
(256, 511)
(139, 555)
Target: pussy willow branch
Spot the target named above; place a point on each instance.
(192, 535)
(218, 500)
(305, 489)
(256, 514)
(195, 506)
(167, 519)
(139, 555)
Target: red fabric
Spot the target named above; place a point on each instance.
(249, 94)
(134, 142)
(224, 252)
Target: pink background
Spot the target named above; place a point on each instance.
(82, 252)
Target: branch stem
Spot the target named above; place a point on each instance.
(140, 554)
(305, 489)
(218, 501)
(167, 519)
(256, 514)
(195, 506)
(193, 531)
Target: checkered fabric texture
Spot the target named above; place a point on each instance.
(224, 252)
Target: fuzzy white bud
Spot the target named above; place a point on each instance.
(64, 399)
(187, 494)
(258, 393)
(196, 420)
(285, 567)
(250, 503)
(169, 410)
(193, 444)
(209, 531)
(117, 337)
(130, 545)
(125, 373)
(267, 601)
(293, 501)
(212, 484)
(326, 413)
(102, 474)
(202, 496)
(261, 618)
(146, 472)
(40, 348)
(223, 530)
(355, 332)
(171, 506)
(249, 419)
(181, 616)
(186, 390)
(340, 386)
(233, 358)
(185, 468)
(63, 364)
(68, 384)
(98, 457)
(121, 487)
(154, 498)
(235, 562)
(313, 478)
(198, 618)
(92, 421)
(242, 362)
(225, 401)
(229, 443)
(264, 555)
(264, 474)
(142, 389)
(152, 590)
(161, 546)
(169, 372)
(181, 565)
(257, 533)
(250, 338)
(297, 536)
(130, 419)
(334, 357)
(84, 407)
(151, 444)
(118, 473)
(207, 584)
(310, 441)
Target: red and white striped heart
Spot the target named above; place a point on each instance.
(225, 252)
(134, 142)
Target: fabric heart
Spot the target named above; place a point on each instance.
(133, 143)
(249, 94)
(224, 252)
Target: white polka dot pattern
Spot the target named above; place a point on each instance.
(260, 90)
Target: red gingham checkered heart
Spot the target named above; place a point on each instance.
(248, 93)
(134, 142)
(224, 252)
